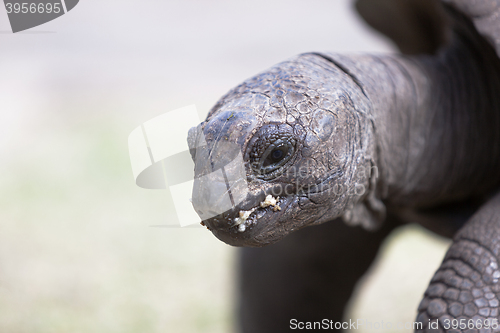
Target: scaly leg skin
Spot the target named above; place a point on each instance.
(308, 276)
(466, 287)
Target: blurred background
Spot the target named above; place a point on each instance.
(79, 250)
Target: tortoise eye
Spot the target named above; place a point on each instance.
(270, 150)
(277, 155)
(274, 157)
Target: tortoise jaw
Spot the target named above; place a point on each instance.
(257, 226)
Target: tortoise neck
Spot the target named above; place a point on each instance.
(436, 122)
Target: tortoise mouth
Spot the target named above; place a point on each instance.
(251, 226)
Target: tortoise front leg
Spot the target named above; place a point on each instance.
(308, 276)
(465, 291)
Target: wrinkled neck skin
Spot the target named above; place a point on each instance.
(411, 132)
(436, 121)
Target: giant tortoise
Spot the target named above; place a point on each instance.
(356, 146)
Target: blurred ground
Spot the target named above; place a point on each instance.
(77, 250)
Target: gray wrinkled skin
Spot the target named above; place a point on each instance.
(377, 141)
(370, 132)
(328, 116)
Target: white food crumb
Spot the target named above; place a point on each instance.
(271, 201)
(244, 215)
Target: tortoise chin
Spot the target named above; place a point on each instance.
(262, 224)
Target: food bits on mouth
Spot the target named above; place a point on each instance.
(245, 214)
(271, 201)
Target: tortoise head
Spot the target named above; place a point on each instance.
(288, 148)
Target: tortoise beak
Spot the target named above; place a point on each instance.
(219, 186)
(220, 180)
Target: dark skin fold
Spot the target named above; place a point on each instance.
(360, 133)
(373, 141)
